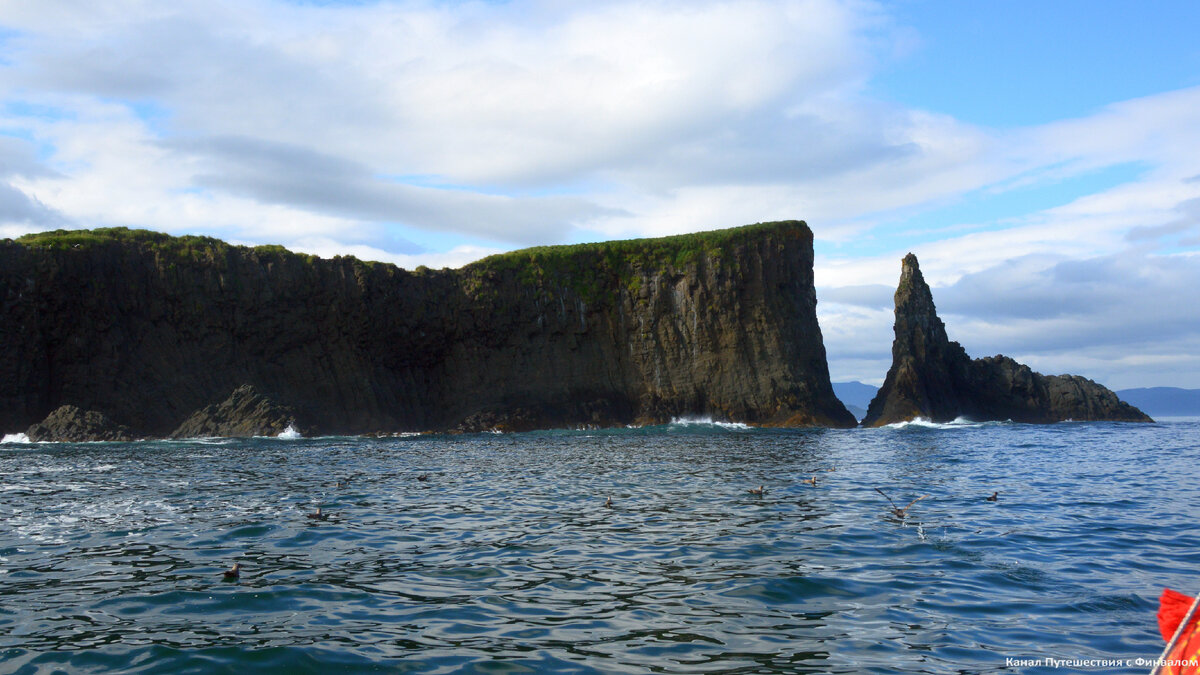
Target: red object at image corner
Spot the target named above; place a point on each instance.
(1172, 607)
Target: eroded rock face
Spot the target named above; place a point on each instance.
(245, 413)
(933, 378)
(70, 424)
(150, 328)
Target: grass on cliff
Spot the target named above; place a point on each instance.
(183, 247)
(587, 268)
(593, 271)
(678, 250)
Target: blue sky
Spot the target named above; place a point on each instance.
(1038, 157)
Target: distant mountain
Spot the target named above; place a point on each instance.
(856, 396)
(1155, 401)
(858, 412)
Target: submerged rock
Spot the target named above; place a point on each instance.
(933, 378)
(245, 413)
(70, 424)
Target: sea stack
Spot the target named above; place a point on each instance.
(245, 413)
(68, 423)
(933, 378)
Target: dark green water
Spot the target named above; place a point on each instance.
(506, 561)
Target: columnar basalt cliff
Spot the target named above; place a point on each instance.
(933, 378)
(149, 329)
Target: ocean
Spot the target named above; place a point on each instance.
(505, 559)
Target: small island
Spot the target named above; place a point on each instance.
(147, 335)
(933, 378)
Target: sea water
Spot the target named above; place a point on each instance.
(504, 559)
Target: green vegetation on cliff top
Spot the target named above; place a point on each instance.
(584, 265)
(595, 271)
(186, 246)
(678, 250)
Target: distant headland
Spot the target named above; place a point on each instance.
(116, 333)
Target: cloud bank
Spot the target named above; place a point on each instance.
(434, 133)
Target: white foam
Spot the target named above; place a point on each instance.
(15, 438)
(957, 423)
(290, 433)
(707, 422)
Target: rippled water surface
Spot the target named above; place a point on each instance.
(505, 559)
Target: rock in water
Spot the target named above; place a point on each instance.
(933, 378)
(69, 424)
(245, 413)
(150, 328)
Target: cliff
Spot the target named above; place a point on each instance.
(933, 378)
(148, 329)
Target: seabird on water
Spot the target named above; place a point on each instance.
(897, 511)
(995, 497)
(761, 489)
(233, 572)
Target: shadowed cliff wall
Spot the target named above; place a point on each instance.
(148, 328)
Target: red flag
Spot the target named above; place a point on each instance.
(1184, 658)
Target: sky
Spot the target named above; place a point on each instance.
(1042, 159)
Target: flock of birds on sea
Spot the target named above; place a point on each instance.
(319, 515)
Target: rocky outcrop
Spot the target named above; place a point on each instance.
(70, 424)
(245, 413)
(933, 378)
(149, 329)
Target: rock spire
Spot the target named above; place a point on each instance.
(933, 378)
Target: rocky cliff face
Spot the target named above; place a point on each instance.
(149, 329)
(933, 378)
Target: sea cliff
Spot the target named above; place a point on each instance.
(933, 378)
(149, 330)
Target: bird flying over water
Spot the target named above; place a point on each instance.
(897, 511)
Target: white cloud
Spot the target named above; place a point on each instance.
(345, 128)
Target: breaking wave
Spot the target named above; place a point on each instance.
(706, 422)
(957, 423)
(14, 438)
(289, 433)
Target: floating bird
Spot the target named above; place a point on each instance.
(608, 504)
(995, 497)
(761, 489)
(318, 515)
(423, 477)
(897, 511)
(813, 480)
(233, 572)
